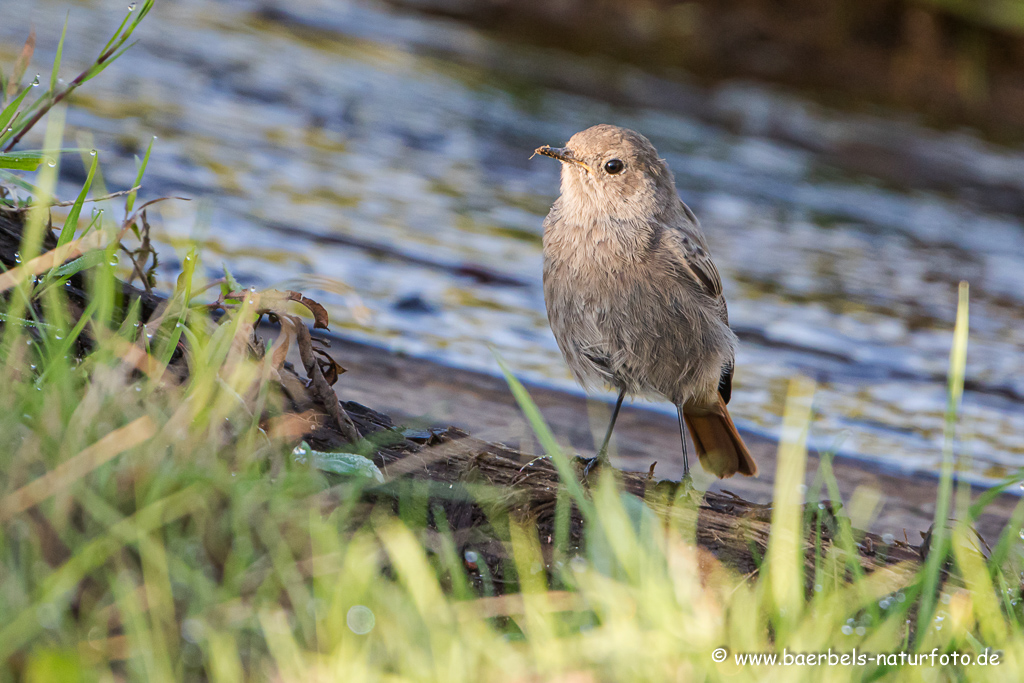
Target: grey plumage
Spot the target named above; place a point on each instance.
(632, 295)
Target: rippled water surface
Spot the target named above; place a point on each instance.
(380, 162)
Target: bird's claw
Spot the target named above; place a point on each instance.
(599, 459)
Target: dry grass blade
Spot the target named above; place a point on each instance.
(91, 200)
(69, 251)
(103, 451)
(512, 604)
(284, 340)
(22, 63)
(135, 356)
(51, 259)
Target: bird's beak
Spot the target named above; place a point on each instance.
(563, 154)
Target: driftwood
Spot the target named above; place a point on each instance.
(455, 468)
(459, 466)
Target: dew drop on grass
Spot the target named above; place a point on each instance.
(51, 163)
(131, 7)
(471, 557)
(1021, 534)
(860, 630)
(92, 152)
(847, 629)
(35, 83)
(17, 257)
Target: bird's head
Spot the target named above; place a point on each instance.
(612, 172)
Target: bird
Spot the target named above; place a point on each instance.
(632, 296)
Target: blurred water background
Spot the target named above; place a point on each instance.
(379, 159)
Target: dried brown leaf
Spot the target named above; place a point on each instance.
(320, 390)
(330, 367)
(274, 301)
(320, 319)
(284, 340)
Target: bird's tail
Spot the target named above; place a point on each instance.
(719, 447)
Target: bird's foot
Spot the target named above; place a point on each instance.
(593, 463)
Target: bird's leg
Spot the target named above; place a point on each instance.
(602, 455)
(682, 440)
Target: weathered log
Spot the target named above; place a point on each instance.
(456, 468)
(734, 530)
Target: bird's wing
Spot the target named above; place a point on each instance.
(697, 264)
(694, 259)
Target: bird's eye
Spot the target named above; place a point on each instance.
(613, 166)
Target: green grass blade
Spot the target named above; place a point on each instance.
(130, 202)
(116, 38)
(22, 161)
(67, 232)
(8, 114)
(785, 555)
(18, 181)
(60, 53)
(939, 547)
(566, 471)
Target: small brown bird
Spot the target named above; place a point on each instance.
(632, 295)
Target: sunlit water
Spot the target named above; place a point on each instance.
(367, 157)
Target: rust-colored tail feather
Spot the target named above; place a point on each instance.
(719, 447)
